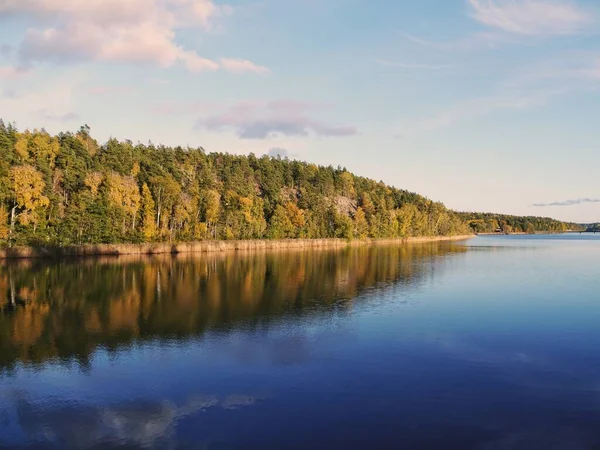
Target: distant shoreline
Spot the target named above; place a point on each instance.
(206, 247)
(527, 234)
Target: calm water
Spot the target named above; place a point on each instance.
(492, 344)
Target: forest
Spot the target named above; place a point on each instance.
(501, 223)
(67, 189)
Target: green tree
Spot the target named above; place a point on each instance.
(281, 227)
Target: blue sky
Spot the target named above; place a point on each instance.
(487, 105)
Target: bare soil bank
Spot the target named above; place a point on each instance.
(205, 247)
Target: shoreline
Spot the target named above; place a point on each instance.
(205, 247)
(526, 234)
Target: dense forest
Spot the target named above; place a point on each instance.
(501, 223)
(68, 189)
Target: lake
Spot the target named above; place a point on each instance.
(492, 343)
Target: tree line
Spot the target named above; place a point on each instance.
(502, 223)
(68, 189)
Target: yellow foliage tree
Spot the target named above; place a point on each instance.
(361, 226)
(83, 136)
(28, 186)
(148, 223)
(212, 208)
(296, 217)
(37, 145)
(347, 182)
(4, 229)
(93, 181)
(22, 146)
(123, 193)
(44, 147)
(183, 212)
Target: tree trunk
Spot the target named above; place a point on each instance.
(159, 204)
(13, 301)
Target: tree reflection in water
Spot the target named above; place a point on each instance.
(62, 311)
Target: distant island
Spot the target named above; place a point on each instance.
(67, 190)
(487, 223)
(591, 227)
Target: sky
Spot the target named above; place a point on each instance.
(485, 105)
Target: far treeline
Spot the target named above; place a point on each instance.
(68, 189)
(501, 223)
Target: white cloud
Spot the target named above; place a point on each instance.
(531, 17)
(118, 31)
(242, 65)
(195, 63)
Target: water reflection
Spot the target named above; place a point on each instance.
(64, 311)
(140, 424)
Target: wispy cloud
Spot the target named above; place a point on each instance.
(572, 202)
(264, 120)
(513, 21)
(470, 43)
(243, 65)
(49, 115)
(531, 17)
(580, 69)
(111, 90)
(401, 65)
(481, 106)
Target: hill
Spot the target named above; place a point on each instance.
(591, 227)
(492, 223)
(68, 190)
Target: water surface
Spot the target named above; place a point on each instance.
(489, 344)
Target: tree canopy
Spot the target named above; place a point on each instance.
(68, 189)
(502, 223)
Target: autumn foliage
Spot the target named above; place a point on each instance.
(68, 189)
